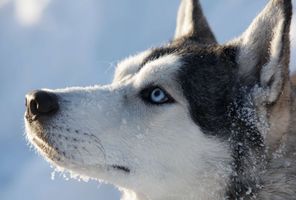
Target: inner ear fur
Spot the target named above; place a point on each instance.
(264, 50)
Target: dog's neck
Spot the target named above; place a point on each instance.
(190, 195)
(210, 186)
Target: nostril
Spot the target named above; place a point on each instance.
(33, 107)
(40, 102)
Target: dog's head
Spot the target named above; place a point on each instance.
(167, 124)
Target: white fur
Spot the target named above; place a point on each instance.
(129, 66)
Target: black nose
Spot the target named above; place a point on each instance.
(40, 102)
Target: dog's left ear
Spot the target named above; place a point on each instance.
(192, 23)
(264, 50)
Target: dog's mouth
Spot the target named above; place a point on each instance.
(121, 168)
(53, 153)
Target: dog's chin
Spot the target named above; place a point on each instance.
(37, 138)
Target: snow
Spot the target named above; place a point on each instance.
(52, 43)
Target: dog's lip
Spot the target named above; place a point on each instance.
(46, 147)
(121, 168)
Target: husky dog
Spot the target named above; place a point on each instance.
(191, 120)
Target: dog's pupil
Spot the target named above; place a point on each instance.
(157, 93)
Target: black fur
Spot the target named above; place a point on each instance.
(247, 145)
(207, 78)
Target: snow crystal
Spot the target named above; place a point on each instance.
(249, 191)
(67, 174)
(52, 175)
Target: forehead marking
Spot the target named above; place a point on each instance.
(130, 65)
(159, 70)
(156, 54)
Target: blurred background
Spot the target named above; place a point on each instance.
(54, 44)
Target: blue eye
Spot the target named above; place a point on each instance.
(156, 95)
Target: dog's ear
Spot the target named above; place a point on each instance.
(192, 23)
(264, 49)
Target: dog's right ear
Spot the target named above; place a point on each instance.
(264, 50)
(192, 23)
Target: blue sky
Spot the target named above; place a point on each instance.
(53, 44)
